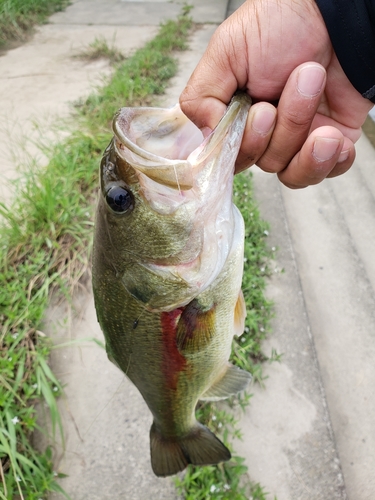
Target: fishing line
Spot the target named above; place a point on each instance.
(105, 407)
(180, 191)
(175, 173)
(127, 368)
(136, 321)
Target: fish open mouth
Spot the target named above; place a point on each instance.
(157, 143)
(186, 179)
(152, 132)
(167, 147)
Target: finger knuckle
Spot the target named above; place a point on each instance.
(296, 120)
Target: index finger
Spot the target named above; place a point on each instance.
(211, 86)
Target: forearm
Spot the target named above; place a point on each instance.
(351, 27)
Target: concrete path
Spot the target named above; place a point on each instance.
(309, 435)
(332, 229)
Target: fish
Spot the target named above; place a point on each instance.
(167, 269)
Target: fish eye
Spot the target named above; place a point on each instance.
(119, 199)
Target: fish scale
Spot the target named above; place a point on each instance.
(167, 271)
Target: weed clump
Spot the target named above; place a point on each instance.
(18, 17)
(230, 480)
(100, 49)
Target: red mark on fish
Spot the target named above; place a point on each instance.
(173, 361)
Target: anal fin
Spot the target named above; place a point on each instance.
(234, 381)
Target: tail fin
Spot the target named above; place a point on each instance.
(199, 447)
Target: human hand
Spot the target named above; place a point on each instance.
(279, 50)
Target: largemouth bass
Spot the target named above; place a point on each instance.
(167, 271)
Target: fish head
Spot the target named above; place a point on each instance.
(140, 195)
(164, 218)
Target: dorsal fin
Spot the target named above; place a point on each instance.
(239, 315)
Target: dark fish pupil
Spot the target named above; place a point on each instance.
(119, 199)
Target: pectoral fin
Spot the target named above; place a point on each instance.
(196, 327)
(234, 380)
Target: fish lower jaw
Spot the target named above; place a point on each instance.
(171, 287)
(195, 276)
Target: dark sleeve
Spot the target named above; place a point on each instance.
(351, 27)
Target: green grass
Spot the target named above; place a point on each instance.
(230, 481)
(99, 49)
(46, 239)
(17, 17)
(46, 236)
